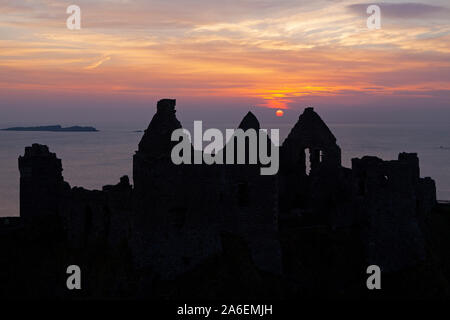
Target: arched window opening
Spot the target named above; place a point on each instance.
(307, 161)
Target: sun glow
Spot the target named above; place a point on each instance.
(278, 61)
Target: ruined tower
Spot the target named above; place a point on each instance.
(175, 225)
(250, 208)
(392, 202)
(41, 182)
(156, 145)
(310, 168)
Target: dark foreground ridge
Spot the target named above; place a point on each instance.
(225, 231)
(55, 128)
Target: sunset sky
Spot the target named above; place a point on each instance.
(280, 54)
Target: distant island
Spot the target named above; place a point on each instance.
(56, 128)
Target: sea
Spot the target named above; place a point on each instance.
(94, 159)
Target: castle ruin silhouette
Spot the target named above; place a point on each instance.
(224, 229)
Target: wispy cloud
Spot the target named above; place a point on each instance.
(98, 63)
(278, 52)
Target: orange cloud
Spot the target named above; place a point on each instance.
(98, 63)
(275, 56)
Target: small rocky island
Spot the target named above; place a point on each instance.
(55, 128)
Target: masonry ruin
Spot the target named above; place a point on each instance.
(178, 221)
